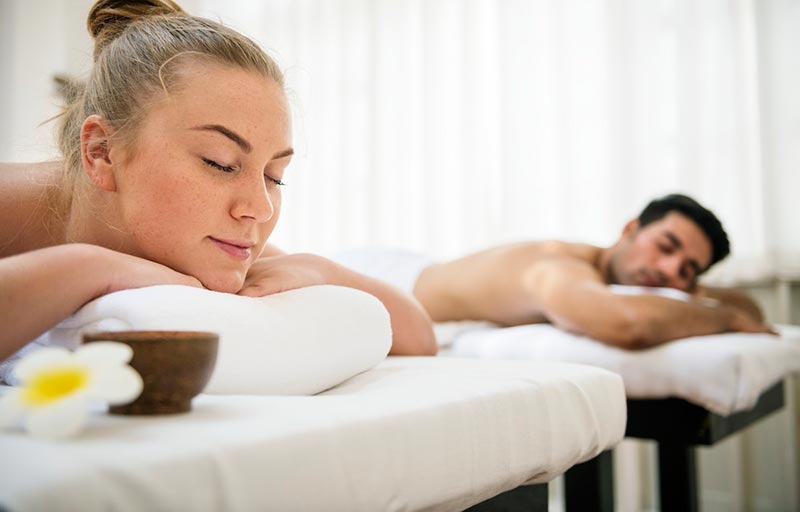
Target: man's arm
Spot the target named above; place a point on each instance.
(573, 297)
(731, 297)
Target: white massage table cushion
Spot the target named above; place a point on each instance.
(298, 342)
(413, 433)
(725, 373)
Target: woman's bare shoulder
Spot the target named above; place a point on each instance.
(27, 217)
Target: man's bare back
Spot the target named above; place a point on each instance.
(566, 284)
(490, 285)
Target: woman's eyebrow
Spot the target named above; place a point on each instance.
(283, 154)
(235, 137)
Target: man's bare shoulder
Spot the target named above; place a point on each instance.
(515, 260)
(550, 250)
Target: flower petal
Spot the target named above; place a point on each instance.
(12, 408)
(64, 418)
(102, 353)
(117, 385)
(41, 358)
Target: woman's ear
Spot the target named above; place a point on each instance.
(96, 152)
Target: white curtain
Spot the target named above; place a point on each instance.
(445, 126)
(449, 125)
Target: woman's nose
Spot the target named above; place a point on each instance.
(253, 201)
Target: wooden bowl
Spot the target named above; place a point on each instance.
(175, 367)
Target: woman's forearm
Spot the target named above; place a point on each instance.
(40, 288)
(412, 329)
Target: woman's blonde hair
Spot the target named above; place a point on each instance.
(139, 48)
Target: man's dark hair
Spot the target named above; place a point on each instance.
(658, 208)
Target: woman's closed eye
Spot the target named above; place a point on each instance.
(230, 169)
(276, 181)
(215, 165)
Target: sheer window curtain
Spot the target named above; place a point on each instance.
(445, 126)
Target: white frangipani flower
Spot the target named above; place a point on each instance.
(57, 387)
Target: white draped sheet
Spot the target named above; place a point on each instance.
(411, 434)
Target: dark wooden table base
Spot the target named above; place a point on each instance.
(678, 427)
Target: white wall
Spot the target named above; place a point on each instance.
(39, 39)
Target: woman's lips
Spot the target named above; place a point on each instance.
(234, 248)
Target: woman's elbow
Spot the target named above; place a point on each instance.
(413, 338)
(406, 349)
(410, 345)
(412, 334)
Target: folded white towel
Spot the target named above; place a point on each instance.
(298, 342)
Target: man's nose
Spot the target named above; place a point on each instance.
(670, 269)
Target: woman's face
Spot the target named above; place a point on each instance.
(200, 187)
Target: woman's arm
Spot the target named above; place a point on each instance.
(40, 288)
(412, 329)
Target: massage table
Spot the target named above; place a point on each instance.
(304, 411)
(408, 434)
(713, 386)
(684, 394)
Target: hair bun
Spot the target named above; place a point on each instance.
(108, 18)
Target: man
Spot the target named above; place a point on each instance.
(672, 242)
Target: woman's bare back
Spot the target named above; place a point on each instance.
(28, 213)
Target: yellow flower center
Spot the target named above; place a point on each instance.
(54, 383)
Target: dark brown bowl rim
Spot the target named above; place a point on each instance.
(149, 335)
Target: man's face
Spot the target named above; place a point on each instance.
(670, 252)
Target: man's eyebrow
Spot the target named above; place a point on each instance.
(678, 244)
(235, 137)
(674, 239)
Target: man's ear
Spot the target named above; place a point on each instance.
(630, 227)
(96, 152)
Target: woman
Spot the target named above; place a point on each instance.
(174, 155)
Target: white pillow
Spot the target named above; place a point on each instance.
(298, 342)
(725, 373)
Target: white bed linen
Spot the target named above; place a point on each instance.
(725, 373)
(410, 434)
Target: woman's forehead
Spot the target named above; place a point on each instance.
(244, 101)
